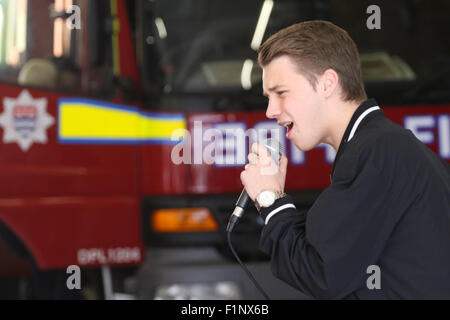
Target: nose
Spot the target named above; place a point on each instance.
(273, 109)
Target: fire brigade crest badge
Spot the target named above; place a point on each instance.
(25, 120)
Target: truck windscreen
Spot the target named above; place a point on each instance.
(210, 46)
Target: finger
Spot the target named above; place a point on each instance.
(249, 166)
(283, 163)
(254, 148)
(265, 157)
(242, 176)
(253, 158)
(262, 152)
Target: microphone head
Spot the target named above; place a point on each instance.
(274, 147)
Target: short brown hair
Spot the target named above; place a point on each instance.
(315, 47)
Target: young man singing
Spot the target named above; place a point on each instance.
(388, 204)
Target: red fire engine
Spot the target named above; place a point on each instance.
(98, 101)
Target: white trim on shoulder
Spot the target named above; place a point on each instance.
(361, 117)
(275, 211)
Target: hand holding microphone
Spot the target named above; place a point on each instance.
(266, 171)
(264, 174)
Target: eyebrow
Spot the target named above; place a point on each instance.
(274, 88)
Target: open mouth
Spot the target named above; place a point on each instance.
(288, 126)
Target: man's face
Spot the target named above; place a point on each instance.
(294, 103)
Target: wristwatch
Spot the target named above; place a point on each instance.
(266, 198)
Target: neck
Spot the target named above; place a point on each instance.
(341, 113)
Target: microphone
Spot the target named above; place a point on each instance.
(276, 149)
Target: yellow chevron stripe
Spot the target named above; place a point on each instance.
(83, 120)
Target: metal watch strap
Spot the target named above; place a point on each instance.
(278, 195)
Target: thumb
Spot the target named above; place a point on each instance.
(283, 163)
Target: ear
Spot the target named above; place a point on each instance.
(329, 83)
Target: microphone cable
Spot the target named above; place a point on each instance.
(244, 267)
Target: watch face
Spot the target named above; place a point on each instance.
(266, 198)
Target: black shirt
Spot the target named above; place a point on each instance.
(388, 207)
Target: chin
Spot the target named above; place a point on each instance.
(304, 146)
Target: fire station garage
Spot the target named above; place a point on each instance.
(128, 129)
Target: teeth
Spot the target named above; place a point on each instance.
(287, 124)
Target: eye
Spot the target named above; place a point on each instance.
(280, 93)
